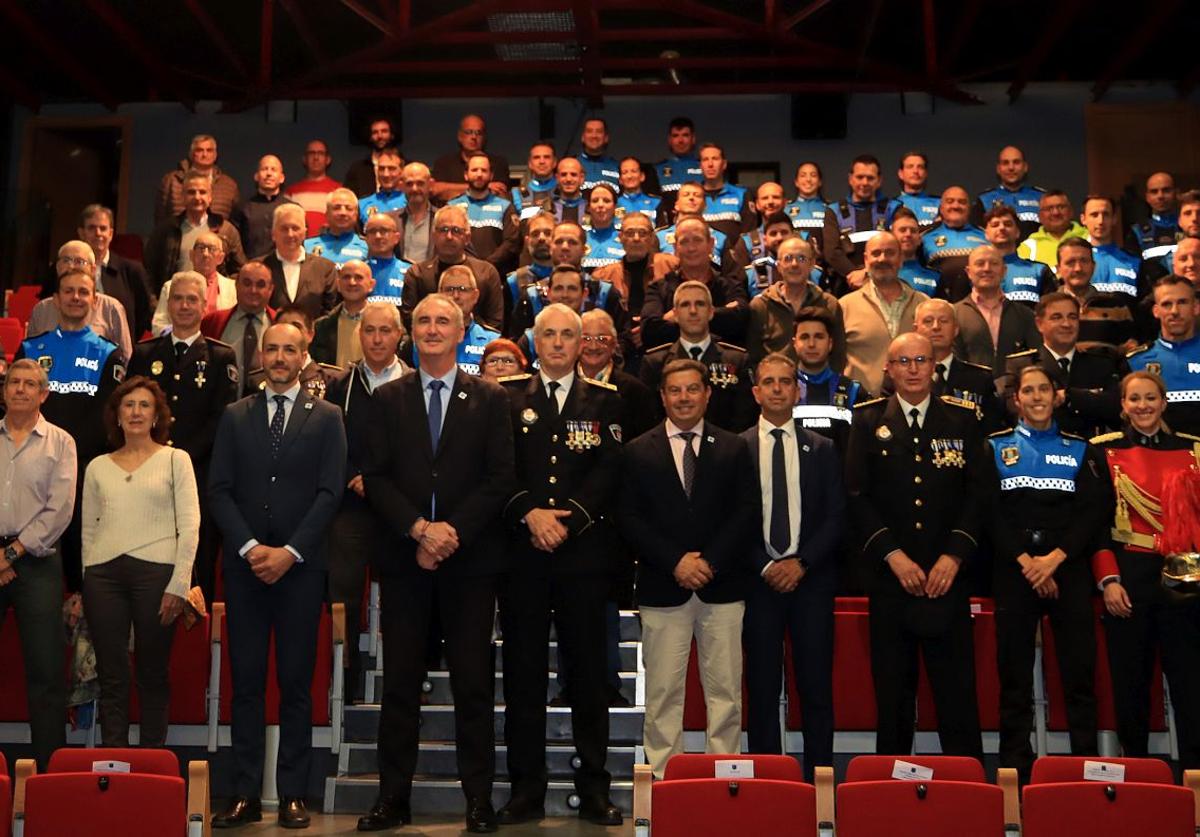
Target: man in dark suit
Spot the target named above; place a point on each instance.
(568, 453)
(439, 471)
(912, 475)
(803, 518)
(200, 378)
(299, 279)
(451, 234)
(123, 279)
(693, 564)
(275, 482)
(243, 326)
(730, 406)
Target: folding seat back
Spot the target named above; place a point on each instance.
(704, 766)
(129, 804)
(5, 798)
(919, 809)
(1099, 809)
(146, 761)
(21, 302)
(188, 671)
(1071, 769)
(951, 768)
(688, 807)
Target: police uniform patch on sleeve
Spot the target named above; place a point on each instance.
(317, 250)
(1010, 455)
(46, 362)
(615, 430)
(1156, 368)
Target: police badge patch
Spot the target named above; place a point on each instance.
(46, 362)
(1010, 456)
(156, 368)
(528, 416)
(940, 241)
(1156, 368)
(317, 250)
(666, 171)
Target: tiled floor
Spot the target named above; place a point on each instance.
(343, 824)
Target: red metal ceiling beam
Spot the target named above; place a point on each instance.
(20, 92)
(587, 24)
(135, 44)
(217, 36)
(299, 20)
(57, 55)
(574, 90)
(266, 37)
(1134, 46)
(868, 32)
(605, 36)
(403, 16)
(608, 62)
(791, 22)
(369, 16)
(1065, 12)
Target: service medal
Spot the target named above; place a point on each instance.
(156, 368)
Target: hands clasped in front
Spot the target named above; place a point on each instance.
(916, 582)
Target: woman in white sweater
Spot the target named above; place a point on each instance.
(141, 524)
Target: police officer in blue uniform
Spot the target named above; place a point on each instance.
(632, 198)
(568, 203)
(763, 245)
(1175, 355)
(387, 270)
(538, 188)
(603, 245)
(849, 223)
(1049, 494)
(1116, 271)
(458, 283)
(1012, 190)
(388, 197)
(807, 211)
(339, 242)
(681, 165)
(1025, 281)
(827, 398)
(492, 219)
(1150, 238)
(520, 308)
(598, 165)
(913, 174)
(84, 369)
(948, 245)
(917, 276)
(726, 207)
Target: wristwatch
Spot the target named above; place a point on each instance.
(10, 554)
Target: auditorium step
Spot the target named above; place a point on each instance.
(437, 723)
(439, 682)
(356, 794)
(438, 758)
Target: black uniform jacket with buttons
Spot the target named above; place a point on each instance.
(923, 497)
(198, 388)
(570, 462)
(1092, 387)
(731, 403)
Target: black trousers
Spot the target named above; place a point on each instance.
(1019, 610)
(1161, 622)
(118, 594)
(467, 607)
(806, 614)
(291, 609)
(950, 661)
(353, 541)
(578, 602)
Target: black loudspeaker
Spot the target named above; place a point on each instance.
(546, 120)
(819, 116)
(360, 113)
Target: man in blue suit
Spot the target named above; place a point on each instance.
(275, 482)
(803, 517)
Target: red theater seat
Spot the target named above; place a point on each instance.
(1070, 769)
(691, 807)
(704, 766)
(945, 768)
(14, 701)
(919, 809)
(853, 686)
(5, 798)
(21, 302)
(12, 332)
(1100, 809)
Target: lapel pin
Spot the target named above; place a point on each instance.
(308, 405)
(463, 396)
(805, 447)
(709, 439)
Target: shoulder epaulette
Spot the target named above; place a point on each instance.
(329, 366)
(725, 345)
(1188, 436)
(604, 384)
(110, 341)
(1023, 353)
(955, 401)
(999, 433)
(1112, 437)
(217, 342)
(520, 376)
(873, 401)
(1067, 435)
(661, 348)
(1137, 350)
(980, 366)
(153, 339)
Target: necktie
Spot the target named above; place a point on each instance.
(695, 352)
(939, 379)
(435, 412)
(1065, 363)
(914, 418)
(277, 425)
(553, 387)
(250, 358)
(781, 527)
(689, 462)
(180, 350)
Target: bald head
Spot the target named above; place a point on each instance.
(881, 258)
(269, 175)
(910, 363)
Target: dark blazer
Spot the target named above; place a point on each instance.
(731, 403)
(471, 472)
(822, 505)
(360, 176)
(661, 523)
(639, 403)
(729, 323)
(198, 389)
(323, 348)
(422, 280)
(289, 500)
(162, 248)
(1092, 387)
(974, 342)
(316, 292)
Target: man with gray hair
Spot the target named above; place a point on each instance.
(202, 159)
(169, 247)
(300, 279)
(339, 241)
(451, 233)
(208, 254)
(40, 462)
(108, 318)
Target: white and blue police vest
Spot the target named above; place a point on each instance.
(725, 204)
(602, 169)
(470, 350)
(558, 204)
(666, 242)
(529, 199)
(390, 201)
(389, 273)
(603, 247)
(1022, 279)
(807, 214)
(1116, 271)
(339, 249)
(1178, 364)
(845, 211)
(488, 211)
(841, 394)
(924, 205)
(675, 171)
(1024, 201)
(539, 272)
(1044, 460)
(942, 242)
(919, 278)
(1150, 234)
(73, 360)
(638, 202)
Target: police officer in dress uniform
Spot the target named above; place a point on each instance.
(826, 398)
(1048, 498)
(912, 474)
(850, 223)
(1175, 355)
(199, 376)
(567, 436)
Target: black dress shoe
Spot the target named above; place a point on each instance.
(521, 809)
(292, 812)
(481, 818)
(600, 811)
(387, 813)
(241, 810)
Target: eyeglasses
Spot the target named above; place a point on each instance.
(500, 360)
(75, 261)
(905, 360)
(207, 248)
(636, 234)
(597, 338)
(798, 258)
(446, 229)
(455, 290)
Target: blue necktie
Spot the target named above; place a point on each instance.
(435, 412)
(689, 462)
(277, 425)
(781, 528)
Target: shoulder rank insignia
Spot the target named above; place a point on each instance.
(604, 384)
(862, 404)
(520, 376)
(1112, 437)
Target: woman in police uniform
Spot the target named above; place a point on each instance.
(1147, 463)
(1050, 497)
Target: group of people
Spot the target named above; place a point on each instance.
(611, 384)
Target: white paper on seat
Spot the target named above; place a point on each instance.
(910, 772)
(1103, 771)
(110, 767)
(735, 769)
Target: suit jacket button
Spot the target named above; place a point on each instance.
(273, 480)
(554, 460)
(917, 502)
(553, 480)
(554, 438)
(917, 480)
(551, 502)
(918, 526)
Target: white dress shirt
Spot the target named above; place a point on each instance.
(291, 273)
(292, 393)
(907, 408)
(703, 344)
(564, 382)
(766, 452)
